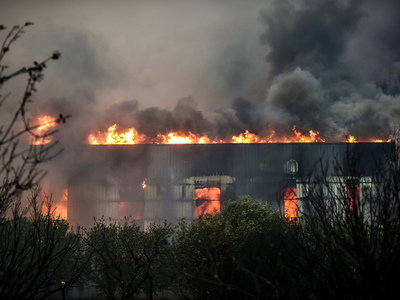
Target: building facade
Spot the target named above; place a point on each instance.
(151, 183)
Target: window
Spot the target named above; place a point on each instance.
(291, 167)
(290, 202)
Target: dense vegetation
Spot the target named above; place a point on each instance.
(247, 251)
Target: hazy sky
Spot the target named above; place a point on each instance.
(216, 67)
(154, 51)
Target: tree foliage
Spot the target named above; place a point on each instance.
(240, 253)
(39, 256)
(127, 259)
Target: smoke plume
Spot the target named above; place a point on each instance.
(312, 81)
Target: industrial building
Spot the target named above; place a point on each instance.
(157, 182)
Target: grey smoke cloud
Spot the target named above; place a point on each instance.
(308, 80)
(309, 34)
(310, 77)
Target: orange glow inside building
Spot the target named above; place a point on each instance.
(290, 198)
(353, 198)
(208, 201)
(132, 210)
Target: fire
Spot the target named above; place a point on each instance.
(132, 136)
(44, 124)
(190, 138)
(290, 198)
(208, 201)
(312, 138)
(133, 210)
(247, 137)
(59, 205)
(351, 139)
(175, 138)
(380, 141)
(144, 185)
(353, 199)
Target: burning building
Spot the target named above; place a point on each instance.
(156, 182)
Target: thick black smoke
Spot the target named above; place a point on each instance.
(322, 77)
(311, 35)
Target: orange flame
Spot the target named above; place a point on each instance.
(313, 138)
(290, 198)
(132, 136)
(247, 137)
(175, 138)
(208, 200)
(380, 141)
(353, 198)
(60, 203)
(132, 209)
(351, 139)
(44, 124)
(298, 137)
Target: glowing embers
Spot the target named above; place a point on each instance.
(290, 201)
(42, 126)
(208, 201)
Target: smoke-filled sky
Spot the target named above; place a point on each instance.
(215, 67)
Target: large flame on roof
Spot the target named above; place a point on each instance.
(353, 139)
(297, 137)
(132, 136)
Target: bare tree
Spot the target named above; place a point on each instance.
(348, 238)
(39, 255)
(19, 163)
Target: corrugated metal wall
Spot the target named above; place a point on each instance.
(115, 173)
